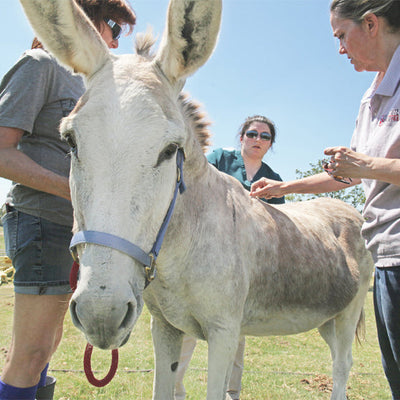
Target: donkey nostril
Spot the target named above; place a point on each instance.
(74, 315)
(129, 316)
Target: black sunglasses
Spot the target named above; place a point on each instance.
(263, 135)
(115, 28)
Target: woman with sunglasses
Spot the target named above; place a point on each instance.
(369, 35)
(256, 135)
(34, 95)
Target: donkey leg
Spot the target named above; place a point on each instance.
(222, 347)
(343, 360)
(167, 342)
(328, 333)
(346, 325)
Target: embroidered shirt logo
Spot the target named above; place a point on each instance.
(393, 116)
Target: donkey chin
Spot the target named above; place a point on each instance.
(106, 324)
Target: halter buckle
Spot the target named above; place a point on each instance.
(74, 254)
(150, 270)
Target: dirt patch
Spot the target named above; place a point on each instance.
(3, 352)
(322, 383)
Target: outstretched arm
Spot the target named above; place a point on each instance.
(320, 183)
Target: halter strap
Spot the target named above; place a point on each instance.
(123, 245)
(109, 240)
(180, 184)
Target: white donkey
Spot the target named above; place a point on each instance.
(229, 265)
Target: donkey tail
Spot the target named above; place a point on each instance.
(360, 330)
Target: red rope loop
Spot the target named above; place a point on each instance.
(87, 365)
(73, 276)
(87, 359)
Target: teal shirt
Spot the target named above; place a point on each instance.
(231, 162)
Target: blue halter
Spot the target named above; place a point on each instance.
(123, 245)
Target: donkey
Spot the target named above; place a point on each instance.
(229, 265)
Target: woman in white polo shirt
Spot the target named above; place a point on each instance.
(369, 35)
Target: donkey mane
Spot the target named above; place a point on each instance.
(198, 120)
(144, 43)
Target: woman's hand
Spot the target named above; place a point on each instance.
(267, 188)
(349, 164)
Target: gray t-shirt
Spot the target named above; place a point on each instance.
(34, 95)
(378, 134)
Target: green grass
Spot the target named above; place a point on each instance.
(276, 368)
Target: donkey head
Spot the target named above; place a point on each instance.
(124, 134)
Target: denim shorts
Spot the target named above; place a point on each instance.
(39, 251)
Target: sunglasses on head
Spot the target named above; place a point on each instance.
(115, 28)
(263, 135)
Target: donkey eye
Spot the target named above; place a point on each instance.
(167, 153)
(71, 141)
(69, 138)
(170, 150)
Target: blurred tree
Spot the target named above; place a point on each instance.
(353, 195)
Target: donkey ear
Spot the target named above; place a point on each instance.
(68, 34)
(189, 37)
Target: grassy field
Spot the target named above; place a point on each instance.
(276, 368)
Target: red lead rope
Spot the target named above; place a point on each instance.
(73, 276)
(87, 359)
(87, 366)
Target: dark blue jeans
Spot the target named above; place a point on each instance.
(387, 314)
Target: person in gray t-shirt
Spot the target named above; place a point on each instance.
(34, 96)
